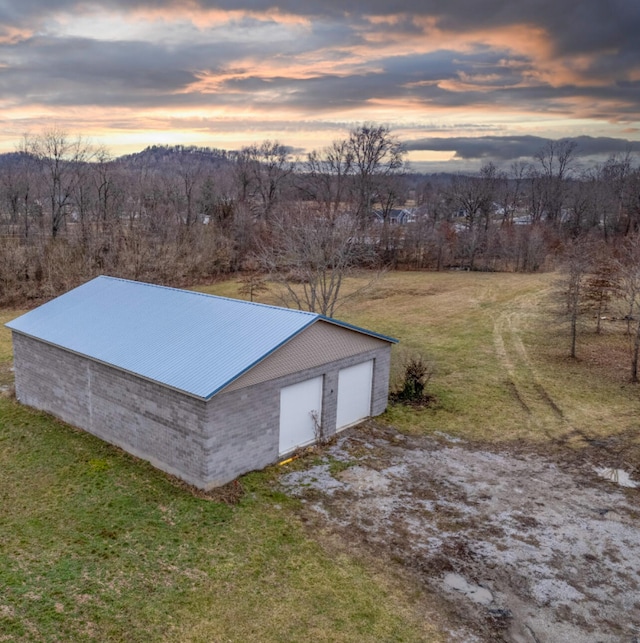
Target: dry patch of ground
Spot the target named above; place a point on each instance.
(518, 544)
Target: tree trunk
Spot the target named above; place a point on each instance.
(630, 313)
(636, 353)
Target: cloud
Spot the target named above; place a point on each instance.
(511, 148)
(513, 64)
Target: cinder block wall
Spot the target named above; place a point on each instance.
(205, 443)
(148, 420)
(244, 424)
(380, 393)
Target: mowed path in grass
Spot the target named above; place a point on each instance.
(541, 412)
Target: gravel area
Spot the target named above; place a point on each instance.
(521, 545)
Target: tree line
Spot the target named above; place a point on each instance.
(179, 215)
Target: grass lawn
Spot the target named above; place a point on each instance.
(96, 545)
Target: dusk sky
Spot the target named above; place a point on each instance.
(457, 80)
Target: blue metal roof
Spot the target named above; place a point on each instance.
(186, 340)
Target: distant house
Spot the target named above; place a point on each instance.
(397, 216)
(203, 387)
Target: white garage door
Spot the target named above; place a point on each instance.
(354, 394)
(300, 408)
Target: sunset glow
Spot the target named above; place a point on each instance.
(227, 74)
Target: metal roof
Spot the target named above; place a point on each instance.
(183, 339)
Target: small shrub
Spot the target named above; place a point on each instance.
(252, 285)
(416, 375)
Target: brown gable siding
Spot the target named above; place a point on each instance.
(321, 343)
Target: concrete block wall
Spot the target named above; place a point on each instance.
(205, 443)
(151, 421)
(244, 424)
(50, 379)
(330, 399)
(380, 392)
(146, 419)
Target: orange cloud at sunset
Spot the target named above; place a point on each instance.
(223, 73)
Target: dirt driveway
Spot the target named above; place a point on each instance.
(516, 545)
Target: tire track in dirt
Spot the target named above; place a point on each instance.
(541, 411)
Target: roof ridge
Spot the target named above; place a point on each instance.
(204, 294)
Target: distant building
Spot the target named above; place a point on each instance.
(397, 216)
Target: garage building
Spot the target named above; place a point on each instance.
(203, 387)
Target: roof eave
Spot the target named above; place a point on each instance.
(364, 331)
(95, 360)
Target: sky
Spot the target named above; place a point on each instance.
(457, 81)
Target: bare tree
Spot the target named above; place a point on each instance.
(59, 156)
(310, 256)
(263, 171)
(556, 161)
(252, 282)
(617, 180)
(472, 198)
(216, 202)
(108, 187)
(17, 185)
(603, 283)
(191, 173)
(629, 269)
(376, 156)
(577, 264)
(583, 204)
(391, 193)
(326, 176)
(629, 282)
(510, 191)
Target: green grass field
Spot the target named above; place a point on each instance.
(98, 546)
